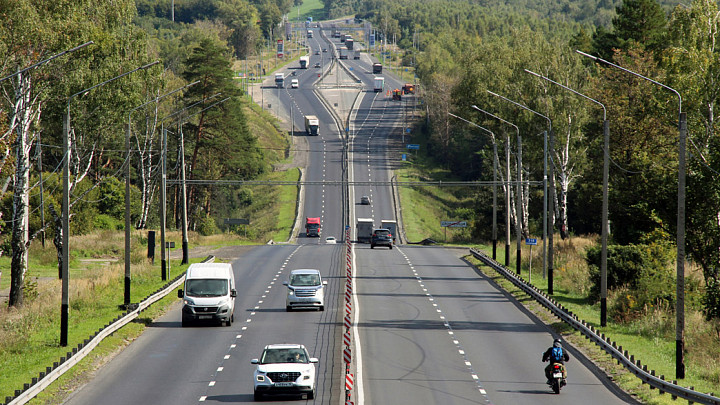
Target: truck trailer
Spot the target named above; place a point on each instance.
(391, 225)
(312, 125)
(312, 226)
(349, 42)
(343, 53)
(280, 80)
(379, 84)
(364, 230)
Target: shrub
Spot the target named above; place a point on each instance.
(104, 221)
(206, 226)
(643, 270)
(711, 300)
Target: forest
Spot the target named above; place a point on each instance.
(463, 51)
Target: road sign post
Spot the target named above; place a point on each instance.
(452, 224)
(531, 242)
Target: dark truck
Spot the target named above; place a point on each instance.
(377, 67)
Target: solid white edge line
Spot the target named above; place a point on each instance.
(360, 395)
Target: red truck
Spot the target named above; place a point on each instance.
(312, 226)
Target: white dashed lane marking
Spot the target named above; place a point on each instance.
(233, 345)
(450, 331)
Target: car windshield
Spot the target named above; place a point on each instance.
(207, 287)
(382, 233)
(271, 356)
(304, 280)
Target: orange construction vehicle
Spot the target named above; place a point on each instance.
(408, 88)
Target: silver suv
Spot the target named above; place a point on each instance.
(284, 369)
(305, 290)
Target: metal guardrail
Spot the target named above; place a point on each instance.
(617, 352)
(30, 390)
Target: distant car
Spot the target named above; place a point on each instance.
(284, 369)
(330, 240)
(294, 83)
(324, 49)
(317, 65)
(317, 52)
(306, 289)
(381, 237)
(365, 200)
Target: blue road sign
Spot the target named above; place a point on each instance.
(530, 241)
(407, 130)
(413, 146)
(404, 157)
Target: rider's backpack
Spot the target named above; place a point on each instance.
(556, 354)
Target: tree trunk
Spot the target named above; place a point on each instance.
(20, 241)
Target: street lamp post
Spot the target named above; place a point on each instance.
(163, 198)
(495, 164)
(606, 175)
(127, 187)
(551, 185)
(680, 237)
(507, 189)
(185, 241)
(44, 61)
(65, 301)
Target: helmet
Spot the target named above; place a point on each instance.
(557, 343)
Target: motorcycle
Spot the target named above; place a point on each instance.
(557, 379)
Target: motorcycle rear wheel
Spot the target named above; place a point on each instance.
(556, 385)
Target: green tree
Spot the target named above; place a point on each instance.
(693, 67)
(221, 146)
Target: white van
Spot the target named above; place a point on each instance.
(209, 293)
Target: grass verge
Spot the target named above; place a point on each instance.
(30, 335)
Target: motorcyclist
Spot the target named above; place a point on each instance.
(548, 356)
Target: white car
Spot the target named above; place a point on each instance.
(294, 83)
(284, 369)
(330, 240)
(305, 290)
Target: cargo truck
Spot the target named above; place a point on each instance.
(364, 230)
(312, 125)
(312, 226)
(391, 225)
(279, 80)
(310, 34)
(379, 84)
(343, 53)
(343, 37)
(377, 67)
(304, 62)
(356, 54)
(349, 42)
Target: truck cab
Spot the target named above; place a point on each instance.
(312, 226)
(279, 80)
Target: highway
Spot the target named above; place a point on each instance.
(431, 329)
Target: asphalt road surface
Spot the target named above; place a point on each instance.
(432, 330)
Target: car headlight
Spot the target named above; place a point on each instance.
(291, 292)
(188, 301)
(260, 377)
